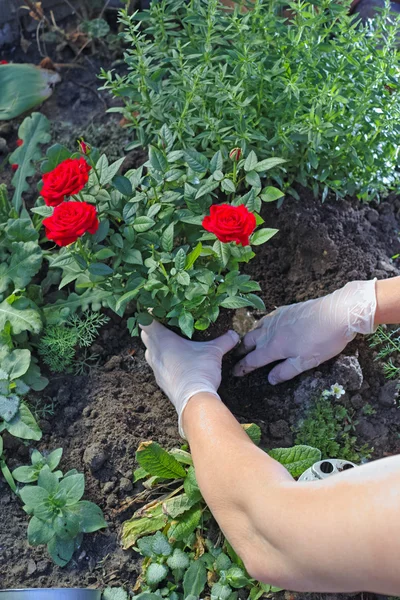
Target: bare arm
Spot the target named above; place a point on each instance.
(387, 301)
(338, 535)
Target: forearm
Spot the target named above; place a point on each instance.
(335, 535)
(387, 301)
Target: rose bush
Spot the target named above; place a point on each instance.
(165, 240)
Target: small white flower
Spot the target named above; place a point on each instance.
(337, 390)
(326, 393)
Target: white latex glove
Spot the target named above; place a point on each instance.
(183, 368)
(305, 335)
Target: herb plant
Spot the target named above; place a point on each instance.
(179, 561)
(387, 342)
(59, 517)
(150, 241)
(317, 88)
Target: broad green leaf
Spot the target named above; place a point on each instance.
(167, 238)
(191, 486)
(217, 162)
(34, 130)
(256, 301)
(235, 302)
(94, 299)
(54, 156)
(137, 527)
(48, 480)
(206, 188)
(61, 551)
(253, 179)
(26, 259)
(223, 251)
(16, 363)
(270, 194)
(39, 532)
(107, 173)
(43, 211)
(236, 577)
(178, 560)
(139, 474)
(156, 573)
(253, 431)
(91, 516)
(196, 161)
(187, 523)
(100, 269)
(21, 230)
(23, 425)
(157, 159)
(133, 257)
(66, 525)
(297, 459)
(195, 579)
(118, 593)
(95, 28)
(178, 505)
(268, 163)
(25, 474)
(183, 278)
(9, 406)
(141, 224)
(262, 235)
(158, 462)
(53, 459)
(24, 86)
(228, 186)
(251, 161)
(123, 185)
(167, 137)
(186, 323)
(180, 259)
(73, 487)
(20, 320)
(33, 496)
(182, 456)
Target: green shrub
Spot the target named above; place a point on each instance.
(319, 90)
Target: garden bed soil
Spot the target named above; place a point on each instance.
(100, 418)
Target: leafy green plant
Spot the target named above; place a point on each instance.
(30, 473)
(59, 517)
(330, 427)
(178, 560)
(150, 249)
(387, 342)
(58, 343)
(316, 88)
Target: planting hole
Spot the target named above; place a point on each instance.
(326, 467)
(347, 467)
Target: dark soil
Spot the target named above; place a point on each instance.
(100, 419)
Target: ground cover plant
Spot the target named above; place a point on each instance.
(316, 87)
(387, 342)
(186, 553)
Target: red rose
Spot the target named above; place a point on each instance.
(68, 178)
(84, 147)
(230, 223)
(20, 142)
(69, 221)
(3, 62)
(14, 167)
(235, 154)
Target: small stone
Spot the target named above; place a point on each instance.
(43, 566)
(112, 500)
(108, 487)
(357, 401)
(347, 372)
(279, 429)
(95, 457)
(86, 411)
(389, 393)
(373, 216)
(6, 129)
(125, 485)
(3, 146)
(31, 567)
(113, 363)
(384, 265)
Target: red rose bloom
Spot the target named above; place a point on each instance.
(230, 223)
(3, 62)
(68, 178)
(20, 142)
(84, 147)
(69, 221)
(14, 167)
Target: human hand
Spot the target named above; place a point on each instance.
(183, 368)
(306, 334)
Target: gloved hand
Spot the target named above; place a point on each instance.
(183, 368)
(306, 334)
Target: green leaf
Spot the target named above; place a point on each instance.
(21, 230)
(256, 301)
(48, 480)
(223, 251)
(43, 211)
(196, 161)
(143, 224)
(118, 593)
(123, 185)
(160, 545)
(73, 487)
(53, 459)
(268, 163)
(23, 425)
(136, 527)
(16, 363)
(8, 407)
(253, 179)
(157, 160)
(100, 269)
(195, 579)
(158, 462)
(156, 573)
(91, 516)
(191, 486)
(167, 238)
(183, 278)
(23, 87)
(193, 256)
(34, 130)
(251, 161)
(236, 577)
(182, 528)
(26, 259)
(54, 156)
(178, 505)
(178, 560)
(25, 474)
(95, 28)
(228, 186)
(20, 320)
(180, 259)
(253, 431)
(235, 302)
(270, 194)
(262, 235)
(206, 188)
(39, 532)
(297, 459)
(186, 323)
(108, 172)
(167, 137)
(217, 162)
(61, 551)
(33, 496)
(139, 474)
